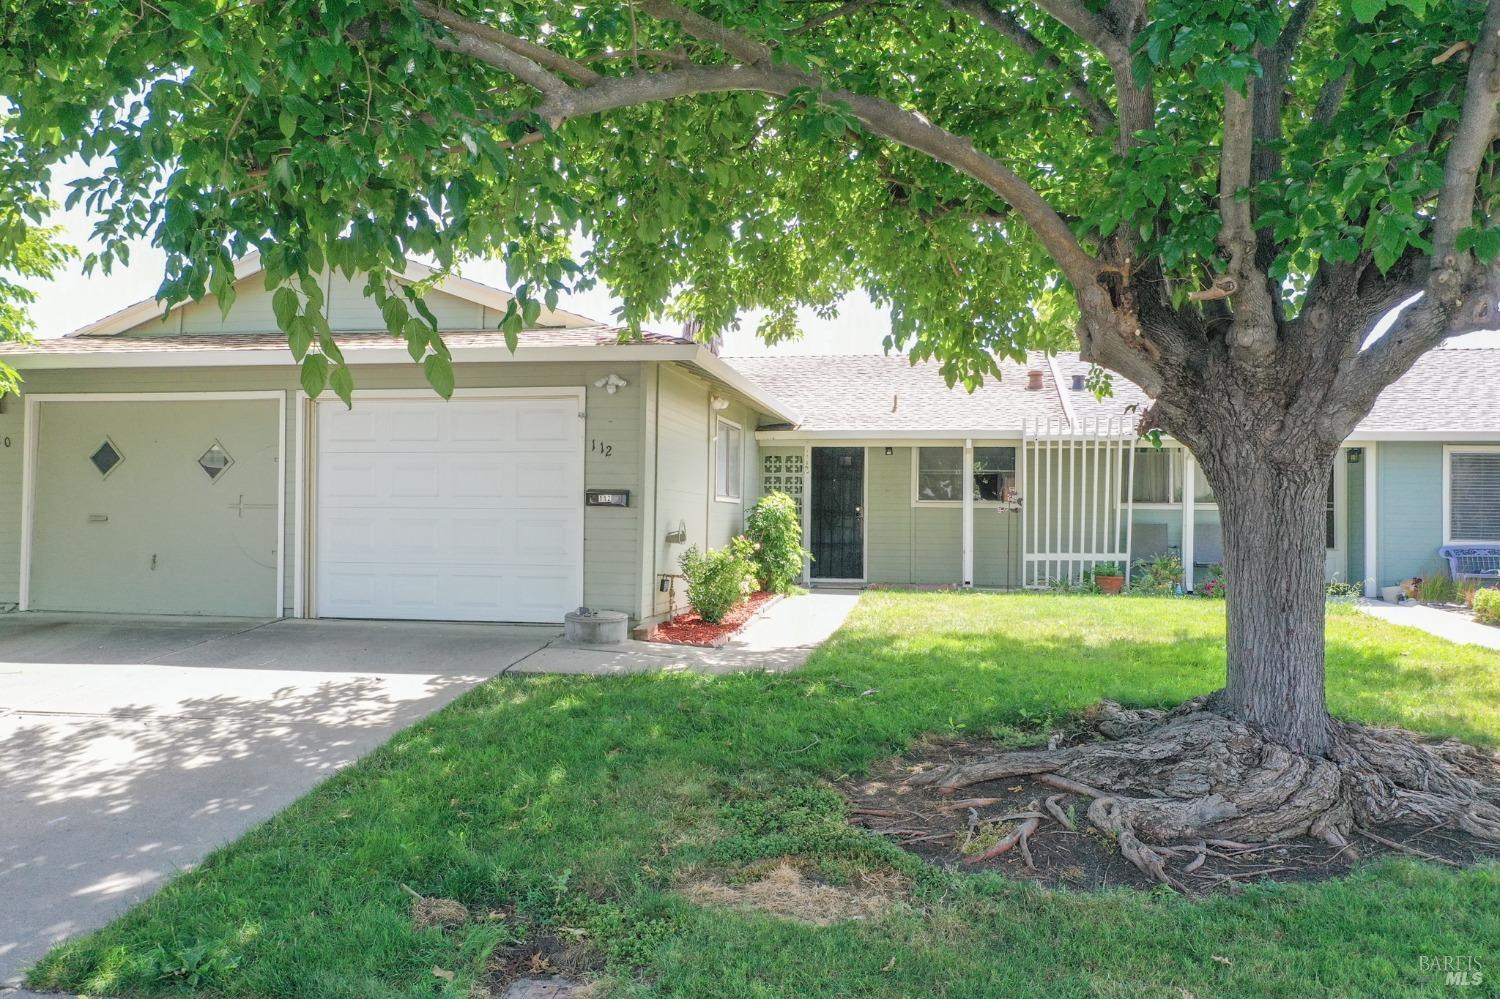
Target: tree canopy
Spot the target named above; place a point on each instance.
(973, 164)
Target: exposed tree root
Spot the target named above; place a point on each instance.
(1186, 783)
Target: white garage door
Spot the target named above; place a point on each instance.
(468, 510)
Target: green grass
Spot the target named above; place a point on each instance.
(580, 801)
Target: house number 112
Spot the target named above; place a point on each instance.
(600, 448)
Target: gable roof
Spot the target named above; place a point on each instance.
(1448, 395)
(250, 265)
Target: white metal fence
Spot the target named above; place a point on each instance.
(1076, 507)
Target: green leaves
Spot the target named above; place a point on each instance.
(334, 134)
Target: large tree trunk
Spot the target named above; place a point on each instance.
(1273, 516)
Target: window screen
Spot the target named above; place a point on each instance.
(940, 474)
(1157, 477)
(727, 464)
(994, 473)
(1474, 496)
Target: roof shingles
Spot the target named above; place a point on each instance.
(887, 392)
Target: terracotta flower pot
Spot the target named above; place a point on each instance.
(1110, 584)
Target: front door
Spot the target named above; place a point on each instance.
(838, 513)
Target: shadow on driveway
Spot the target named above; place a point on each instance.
(130, 748)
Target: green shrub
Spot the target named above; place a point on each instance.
(720, 578)
(1487, 606)
(1158, 574)
(777, 536)
(1214, 585)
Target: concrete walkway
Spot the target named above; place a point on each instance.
(780, 639)
(130, 748)
(1453, 626)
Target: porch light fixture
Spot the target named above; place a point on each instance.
(718, 405)
(890, 451)
(611, 383)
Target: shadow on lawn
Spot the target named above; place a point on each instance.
(101, 809)
(530, 790)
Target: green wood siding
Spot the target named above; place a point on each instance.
(612, 537)
(888, 527)
(997, 548)
(1354, 536)
(1409, 508)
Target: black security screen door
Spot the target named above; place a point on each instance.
(838, 508)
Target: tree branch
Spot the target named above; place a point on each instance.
(1253, 335)
(489, 45)
(1101, 116)
(1270, 90)
(842, 10)
(1460, 294)
(562, 102)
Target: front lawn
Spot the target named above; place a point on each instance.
(581, 804)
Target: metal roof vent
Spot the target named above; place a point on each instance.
(1077, 383)
(1034, 380)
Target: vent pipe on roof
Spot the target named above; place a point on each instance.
(1078, 383)
(1034, 380)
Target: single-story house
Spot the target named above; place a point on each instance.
(168, 463)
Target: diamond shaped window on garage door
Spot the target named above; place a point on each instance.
(215, 461)
(106, 456)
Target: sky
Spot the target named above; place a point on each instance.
(73, 300)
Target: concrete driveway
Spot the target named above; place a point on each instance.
(131, 748)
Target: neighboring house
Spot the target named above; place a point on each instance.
(1030, 479)
(171, 465)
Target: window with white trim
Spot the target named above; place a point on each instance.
(1156, 476)
(994, 474)
(940, 474)
(1474, 495)
(728, 463)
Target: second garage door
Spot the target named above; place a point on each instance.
(467, 510)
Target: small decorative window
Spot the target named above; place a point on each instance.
(728, 461)
(106, 457)
(215, 461)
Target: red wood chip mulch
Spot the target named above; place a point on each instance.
(690, 629)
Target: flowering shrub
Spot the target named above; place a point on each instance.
(718, 579)
(1215, 586)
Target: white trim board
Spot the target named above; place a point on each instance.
(32, 428)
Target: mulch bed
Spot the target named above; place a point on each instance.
(690, 629)
(948, 830)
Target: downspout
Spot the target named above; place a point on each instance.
(655, 488)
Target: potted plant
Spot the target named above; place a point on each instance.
(1109, 577)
